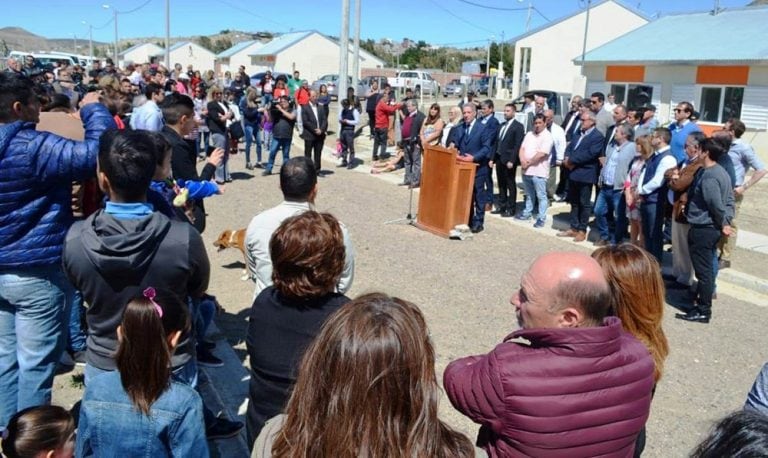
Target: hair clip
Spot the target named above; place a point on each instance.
(150, 293)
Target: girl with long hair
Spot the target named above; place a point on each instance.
(47, 431)
(637, 289)
(366, 387)
(138, 410)
(432, 129)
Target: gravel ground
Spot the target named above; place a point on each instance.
(463, 288)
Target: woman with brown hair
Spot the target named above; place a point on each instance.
(631, 196)
(432, 129)
(637, 290)
(308, 255)
(366, 387)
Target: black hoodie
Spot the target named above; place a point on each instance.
(111, 260)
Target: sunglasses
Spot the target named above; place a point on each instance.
(679, 110)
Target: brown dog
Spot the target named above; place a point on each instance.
(233, 239)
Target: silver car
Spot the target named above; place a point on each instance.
(454, 88)
(332, 84)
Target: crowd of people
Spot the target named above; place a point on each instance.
(333, 375)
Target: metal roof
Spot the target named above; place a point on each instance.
(576, 13)
(236, 49)
(284, 41)
(732, 35)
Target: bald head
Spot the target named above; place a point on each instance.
(564, 289)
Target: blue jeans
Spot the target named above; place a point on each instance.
(606, 213)
(34, 305)
(252, 136)
(75, 335)
(201, 150)
(278, 143)
(222, 171)
(535, 186)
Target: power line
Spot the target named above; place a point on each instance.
(460, 18)
(488, 7)
(247, 11)
(104, 25)
(135, 9)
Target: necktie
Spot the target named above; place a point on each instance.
(503, 130)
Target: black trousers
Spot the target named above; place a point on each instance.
(314, 146)
(702, 242)
(379, 142)
(562, 185)
(506, 178)
(371, 120)
(579, 196)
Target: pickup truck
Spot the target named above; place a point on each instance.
(416, 80)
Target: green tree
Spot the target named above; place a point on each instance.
(221, 45)
(205, 42)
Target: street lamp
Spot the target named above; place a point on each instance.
(74, 41)
(90, 40)
(114, 13)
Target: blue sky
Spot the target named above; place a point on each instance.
(455, 22)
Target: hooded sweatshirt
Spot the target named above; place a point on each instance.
(112, 260)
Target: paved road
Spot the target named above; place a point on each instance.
(463, 288)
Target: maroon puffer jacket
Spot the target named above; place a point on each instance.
(572, 392)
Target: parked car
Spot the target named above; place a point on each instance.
(481, 86)
(332, 84)
(454, 88)
(557, 101)
(419, 81)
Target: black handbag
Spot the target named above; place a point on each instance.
(236, 130)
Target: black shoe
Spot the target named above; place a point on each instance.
(507, 214)
(695, 316)
(476, 229)
(723, 264)
(344, 163)
(221, 428)
(207, 359)
(248, 166)
(498, 211)
(259, 165)
(351, 165)
(375, 157)
(266, 173)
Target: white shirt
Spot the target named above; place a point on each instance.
(558, 137)
(259, 233)
(655, 183)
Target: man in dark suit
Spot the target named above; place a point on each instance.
(571, 125)
(487, 117)
(506, 160)
(582, 160)
(474, 145)
(315, 127)
(410, 129)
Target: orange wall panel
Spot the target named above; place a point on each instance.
(722, 74)
(625, 73)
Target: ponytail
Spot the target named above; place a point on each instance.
(144, 355)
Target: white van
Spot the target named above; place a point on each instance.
(43, 59)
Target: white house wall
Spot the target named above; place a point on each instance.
(141, 54)
(553, 48)
(199, 57)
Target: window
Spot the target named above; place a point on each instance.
(720, 103)
(632, 95)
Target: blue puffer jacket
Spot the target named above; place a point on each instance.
(36, 174)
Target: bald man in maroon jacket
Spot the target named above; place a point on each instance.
(578, 386)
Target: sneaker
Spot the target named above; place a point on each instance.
(221, 428)
(207, 359)
(522, 217)
(266, 173)
(79, 358)
(539, 223)
(248, 166)
(259, 165)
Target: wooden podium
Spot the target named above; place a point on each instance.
(446, 191)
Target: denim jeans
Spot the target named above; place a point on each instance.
(252, 136)
(222, 171)
(652, 222)
(535, 186)
(34, 307)
(202, 149)
(278, 143)
(75, 335)
(606, 213)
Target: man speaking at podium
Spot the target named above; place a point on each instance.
(474, 144)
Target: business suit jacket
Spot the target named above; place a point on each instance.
(310, 123)
(492, 126)
(508, 147)
(418, 121)
(584, 156)
(477, 144)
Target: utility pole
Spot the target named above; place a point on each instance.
(168, 34)
(528, 19)
(356, 47)
(90, 40)
(344, 50)
(117, 56)
(74, 42)
(586, 30)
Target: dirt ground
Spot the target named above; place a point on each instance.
(463, 289)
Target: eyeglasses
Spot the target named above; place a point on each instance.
(679, 110)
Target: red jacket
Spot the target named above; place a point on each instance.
(302, 96)
(571, 392)
(383, 111)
